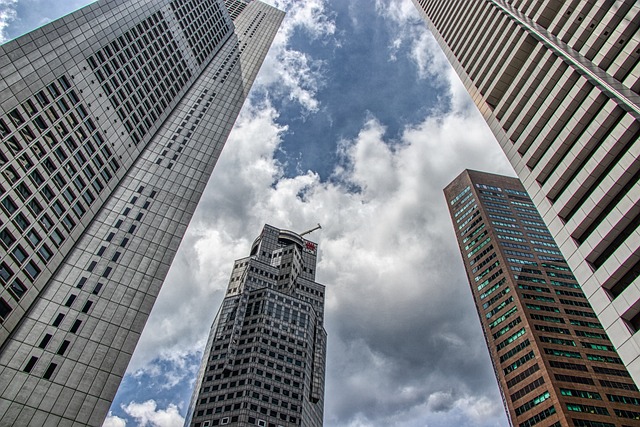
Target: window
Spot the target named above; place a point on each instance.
(9, 206)
(70, 300)
(45, 341)
(30, 364)
(6, 238)
(21, 221)
(17, 289)
(57, 237)
(5, 309)
(76, 326)
(32, 270)
(35, 207)
(63, 347)
(34, 238)
(52, 367)
(19, 254)
(87, 306)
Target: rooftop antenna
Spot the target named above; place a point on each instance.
(310, 231)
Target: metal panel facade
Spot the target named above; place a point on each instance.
(113, 118)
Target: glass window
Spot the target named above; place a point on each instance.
(37, 178)
(13, 144)
(34, 238)
(32, 270)
(46, 222)
(17, 288)
(5, 309)
(42, 99)
(16, 117)
(68, 222)
(57, 237)
(21, 222)
(46, 191)
(5, 272)
(19, 254)
(6, 238)
(35, 207)
(4, 129)
(11, 174)
(45, 253)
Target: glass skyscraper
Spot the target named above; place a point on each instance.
(553, 360)
(112, 119)
(558, 83)
(264, 362)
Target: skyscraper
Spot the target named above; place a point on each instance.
(553, 360)
(112, 119)
(264, 361)
(558, 84)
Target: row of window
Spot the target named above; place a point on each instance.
(203, 25)
(81, 283)
(54, 103)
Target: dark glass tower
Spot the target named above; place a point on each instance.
(558, 83)
(112, 119)
(264, 362)
(553, 360)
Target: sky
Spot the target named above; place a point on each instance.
(356, 122)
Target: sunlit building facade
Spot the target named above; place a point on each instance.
(558, 84)
(112, 119)
(264, 362)
(552, 358)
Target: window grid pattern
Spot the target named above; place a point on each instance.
(547, 328)
(203, 25)
(261, 362)
(57, 164)
(142, 72)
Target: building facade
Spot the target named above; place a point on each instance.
(112, 119)
(264, 362)
(554, 363)
(558, 82)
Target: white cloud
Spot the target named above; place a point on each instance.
(7, 15)
(147, 414)
(399, 312)
(407, 27)
(114, 421)
(405, 346)
(292, 73)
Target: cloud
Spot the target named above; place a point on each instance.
(8, 14)
(408, 28)
(440, 402)
(405, 345)
(290, 72)
(403, 334)
(114, 421)
(147, 414)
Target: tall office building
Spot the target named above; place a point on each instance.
(553, 360)
(558, 82)
(264, 362)
(112, 119)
